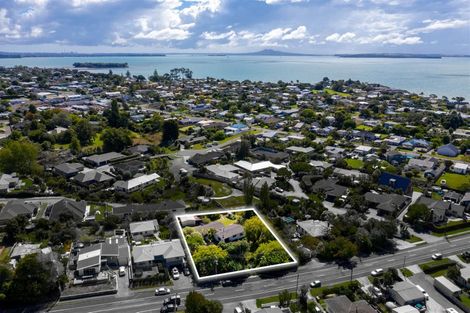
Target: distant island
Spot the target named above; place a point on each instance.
(391, 55)
(100, 65)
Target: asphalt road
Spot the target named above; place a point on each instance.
(256, 287)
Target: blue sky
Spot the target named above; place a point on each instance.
(309, 26)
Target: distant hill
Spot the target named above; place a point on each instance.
(391, 55)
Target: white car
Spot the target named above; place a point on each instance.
(122, 271)
(162, 291)
(437, 256)
(377, 272)
(376, 291)
(426, 296)
(175, 273)
(315, 284)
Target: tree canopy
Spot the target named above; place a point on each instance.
(19, 157)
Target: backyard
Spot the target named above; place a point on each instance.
(456, 181)
(355, 164)
(220, 189)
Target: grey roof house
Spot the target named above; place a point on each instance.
(14, 208)
(66, 208)
(170, 253)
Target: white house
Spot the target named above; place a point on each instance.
(257, 167)
(364, 150)
(144, 228)
(460, 168)
(136, 183)
(230, 233)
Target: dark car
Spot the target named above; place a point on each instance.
(169, 308)
(186, 271)
(172, 300)
(228, 283)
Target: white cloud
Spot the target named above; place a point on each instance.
(433, 25)
(283, 1)
(36, 31)
(165, 34)
(346, 37)
(217, 36)
(83, 3)
(201, 6)
(298, 33)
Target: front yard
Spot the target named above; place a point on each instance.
(220, 189)
(355, 164)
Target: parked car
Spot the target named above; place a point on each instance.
(426, 296)
(162, 291)
(377, 272)
(451, 310)
(169, 308)
(315, 284)
(122, 271)
(186, 271)
(376, 291)
(175, 273)
(227, 283)
(437, 256)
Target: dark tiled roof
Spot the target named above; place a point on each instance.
(394, 181)
(65, 206)
(14, 208)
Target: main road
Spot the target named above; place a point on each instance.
(256, 287)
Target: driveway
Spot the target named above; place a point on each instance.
(338, 211)
(437, 302)
(297, 193)
(123, 284)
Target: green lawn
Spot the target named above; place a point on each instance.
(250, 132)
(315, 292)
(364, 127)
(197, 146)
(456, 181)
(5, 255)
(406, 272)
(232, 202)
(102, 209)
(220, 189)
(355, 163)
(463, 259)
(442, 272)
(414, 239)
(329, 91)
(272, 299)
(465, 299)
(226, 221)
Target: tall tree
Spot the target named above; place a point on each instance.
(19, 157)
(264, 197)
(248, 191)
(197, 303)
(84, 131)
(170, 132)
(116, 139)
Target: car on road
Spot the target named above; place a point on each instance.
(122, 271)
(227, 283)
(279, 189)
(436, 256)
(169, 308)
(451, 310)
(175, 299)
(315, 284)
(175, 273)
(377, 272)
(162, 291)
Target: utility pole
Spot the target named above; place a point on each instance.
(297, 286)
(404, 261)
(352, 269)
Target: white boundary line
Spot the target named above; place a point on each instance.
(251, 271)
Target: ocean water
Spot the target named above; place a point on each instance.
(444, 77)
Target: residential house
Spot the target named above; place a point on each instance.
(364, 150)
(263, 153)
(386, 204)
(169, 252)
(452, 196)
(465, 201)
(8, 182)
(460, 168)
(67, 209)
(20, 250)
(103, 159)
(91, 260)
(464, 278)
(441, 209)
(236, 129)
(448, 150)
(136, 183)
(330, 189)
(334, 152)
(166, 205)
(200, 159)
(395, 157)
(300, 150)
(89, 177)
(68, 170)
(435, 172)
(353, 174)
(223, 172)
(447, 287)
(14, 208)
(263, 166)
(396, 182)
(142, 229)
(129, 168)
(342, 304)
(139, 149)
(416, 143)
(313, 228)
(421, 165)
(405, 293)
(405, 309)
(230, 233)
(189, 221)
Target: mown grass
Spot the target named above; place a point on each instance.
(414, 239)
(220, 189)
(272, 299)
(355, 163)
(456, 181)
(406, 272)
